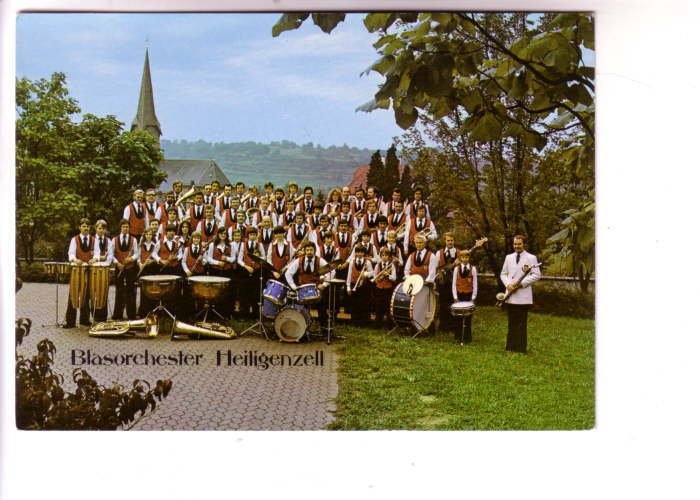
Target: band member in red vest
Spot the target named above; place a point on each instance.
(167, 205)
(397, 219)
(268, 194)
(278, 206)
(80, 252)
(345, 214)
(298, 230)
(227, 218)
(103, 253)
(208, 227)
(177, 189)
(332, 206)
(446, 257)
(152, 206)
(307, 204)
(250, 286)
(223, 203)
(126, 255)
(422, 262)
(418, 201)
(279, 252)
(207, 195)
(221, 263)
(316, 213)
(359, 203)
(171, 219)
(369, 221)
(385, 274)
(196, 212)
(148, 266)
(464, 288)
(364, 241)
(169, 253)
(215, 189)
(380, 237)
(323, 226)
(418, 225)
(394, 248)
(358, 287)
(395, 205)
(265, 235)
(192, 265)
(183, 238)
(237, 272)
(137, 215)
(292, 192)
(289, 215)
(304, 270)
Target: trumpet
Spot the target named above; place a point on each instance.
(360, 279)
(384, 272)
(401, 229)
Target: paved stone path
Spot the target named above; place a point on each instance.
(207, 396)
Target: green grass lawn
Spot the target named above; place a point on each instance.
(395, 382)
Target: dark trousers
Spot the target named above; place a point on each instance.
(249, 293)
(517, 327)
(71, 311)
(447, 321)
(125, 296)
(225, 303)
(359, 305)
(456, 322)
(382, 300)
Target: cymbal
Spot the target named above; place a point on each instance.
(413, 284)
(263, 263)
(335, 263)
(335, 281)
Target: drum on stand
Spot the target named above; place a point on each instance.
(462, 308)
(159, 288)
(292, 322)
(308, 294)
(209, 289)
(276, 292)
(413, 309)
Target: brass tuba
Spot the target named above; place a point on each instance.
(201, 330)
(113, 328)
(185, 196)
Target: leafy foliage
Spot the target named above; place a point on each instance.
(42, 402)
(376, 171)
(576, 242)
(67, 169)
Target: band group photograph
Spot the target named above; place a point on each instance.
(439, 266)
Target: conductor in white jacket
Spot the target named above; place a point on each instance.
(520, 300)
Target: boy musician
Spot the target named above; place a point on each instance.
(418, 225)
(80, 252)
(464, 288)
(126, 255)
(147, 265)
(279, 252)
(304, 270)
(357, 286)
(102, 253)
(193, 265)
(209, 226)
(394, 248)
(385, 274)
(250, 285)
(446, 257)
(137, 215)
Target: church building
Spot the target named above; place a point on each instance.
(190, 172)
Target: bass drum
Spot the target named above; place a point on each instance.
(291, 323)
(413, 311)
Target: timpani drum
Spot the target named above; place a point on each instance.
(413, 310)
(99, 284)
(208, 288)
(462, 308)
(159, 287)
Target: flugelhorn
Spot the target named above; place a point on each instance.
(201, 329)
(502, 297)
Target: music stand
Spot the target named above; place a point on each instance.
(259, 327)
(331, 307)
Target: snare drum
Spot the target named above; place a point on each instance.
(463, 308)
(308, 294)
(416, 311)
(99, 284)
(291, 323)
(276, 292)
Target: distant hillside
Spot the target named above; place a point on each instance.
(278, 162)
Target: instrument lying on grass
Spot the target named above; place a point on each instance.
(199, 330)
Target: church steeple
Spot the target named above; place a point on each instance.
(146, 111)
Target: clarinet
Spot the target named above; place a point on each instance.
(502, 297)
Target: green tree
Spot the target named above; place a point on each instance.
(67, 169)
(375, 173)
(406, 184)
(508, 84)
(392, 175)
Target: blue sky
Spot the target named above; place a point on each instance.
(217, 77)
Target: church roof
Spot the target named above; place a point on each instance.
(146, 112)
(197, 172)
